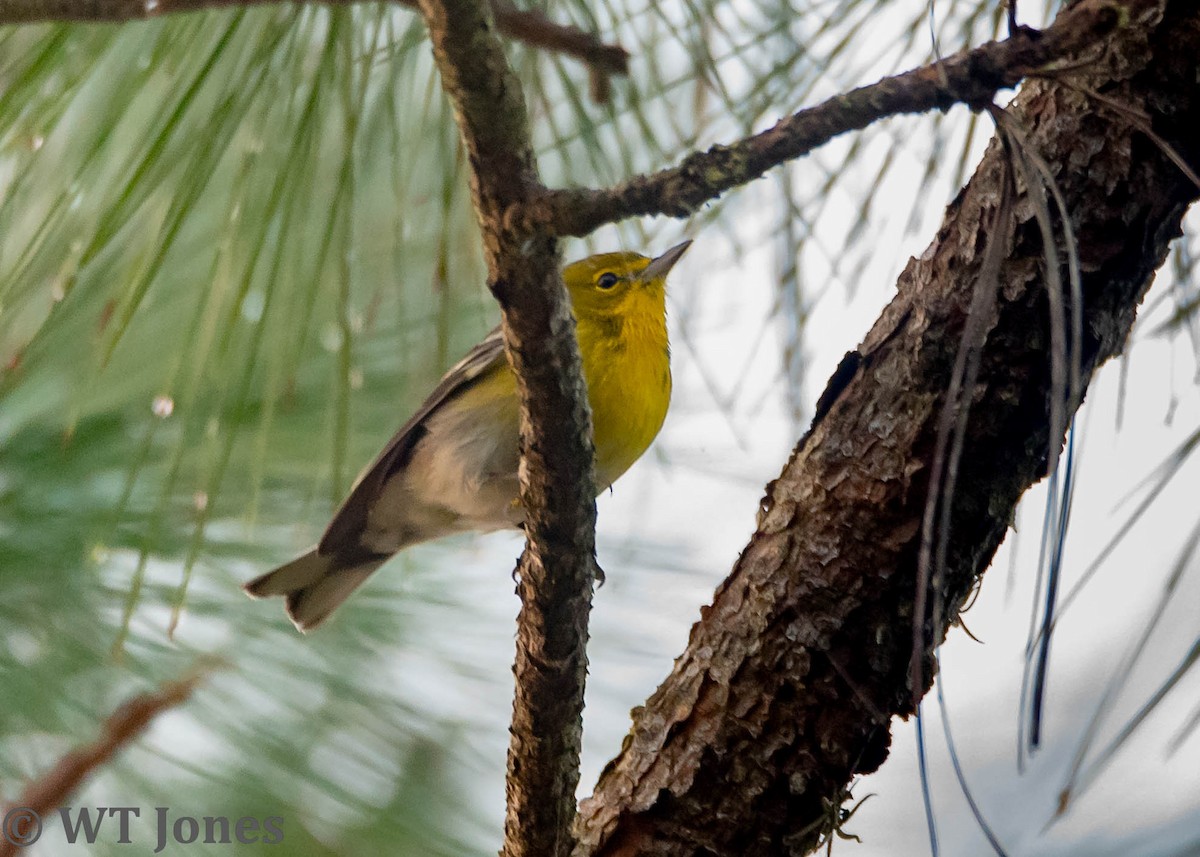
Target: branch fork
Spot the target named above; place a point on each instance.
(682, 735)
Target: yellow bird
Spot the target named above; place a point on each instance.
(453, 466)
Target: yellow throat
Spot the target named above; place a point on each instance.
(619, 300)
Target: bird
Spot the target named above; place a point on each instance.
(452, 466)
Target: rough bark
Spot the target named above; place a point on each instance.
(792, 675)
(557, 570)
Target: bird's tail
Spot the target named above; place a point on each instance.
(314, 585)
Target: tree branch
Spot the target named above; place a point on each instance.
(969, 77)
(791, 676)
(557, 570)
(536, 30)
(529, 27)
(122, 728)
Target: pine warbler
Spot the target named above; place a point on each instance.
(453, 466)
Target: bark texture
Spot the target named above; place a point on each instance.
(556, 573)
(792, 675)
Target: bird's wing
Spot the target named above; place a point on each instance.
(350, 520)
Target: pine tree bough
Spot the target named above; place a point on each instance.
(791, 677)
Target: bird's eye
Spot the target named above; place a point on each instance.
(607, 281)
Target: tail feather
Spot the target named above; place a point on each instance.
(303, 571)
(314, 585)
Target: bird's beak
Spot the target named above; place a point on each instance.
(659, 267)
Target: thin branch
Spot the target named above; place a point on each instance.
(121, 729)
(534, 29)
(969, 77)
(529, 27)
(557, 570)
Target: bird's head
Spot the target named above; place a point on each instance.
(610, 283)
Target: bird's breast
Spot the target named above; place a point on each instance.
(629, 389)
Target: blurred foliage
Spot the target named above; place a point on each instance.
(235, 249)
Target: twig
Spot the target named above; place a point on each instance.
(557, 570)
(969, 77)
(121, 729)
(529, 27)
(537, 31)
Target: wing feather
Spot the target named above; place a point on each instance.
(350, 520)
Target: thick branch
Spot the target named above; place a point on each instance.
(791, 678)
(529, 27)
(969, 77)
(557, 570)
